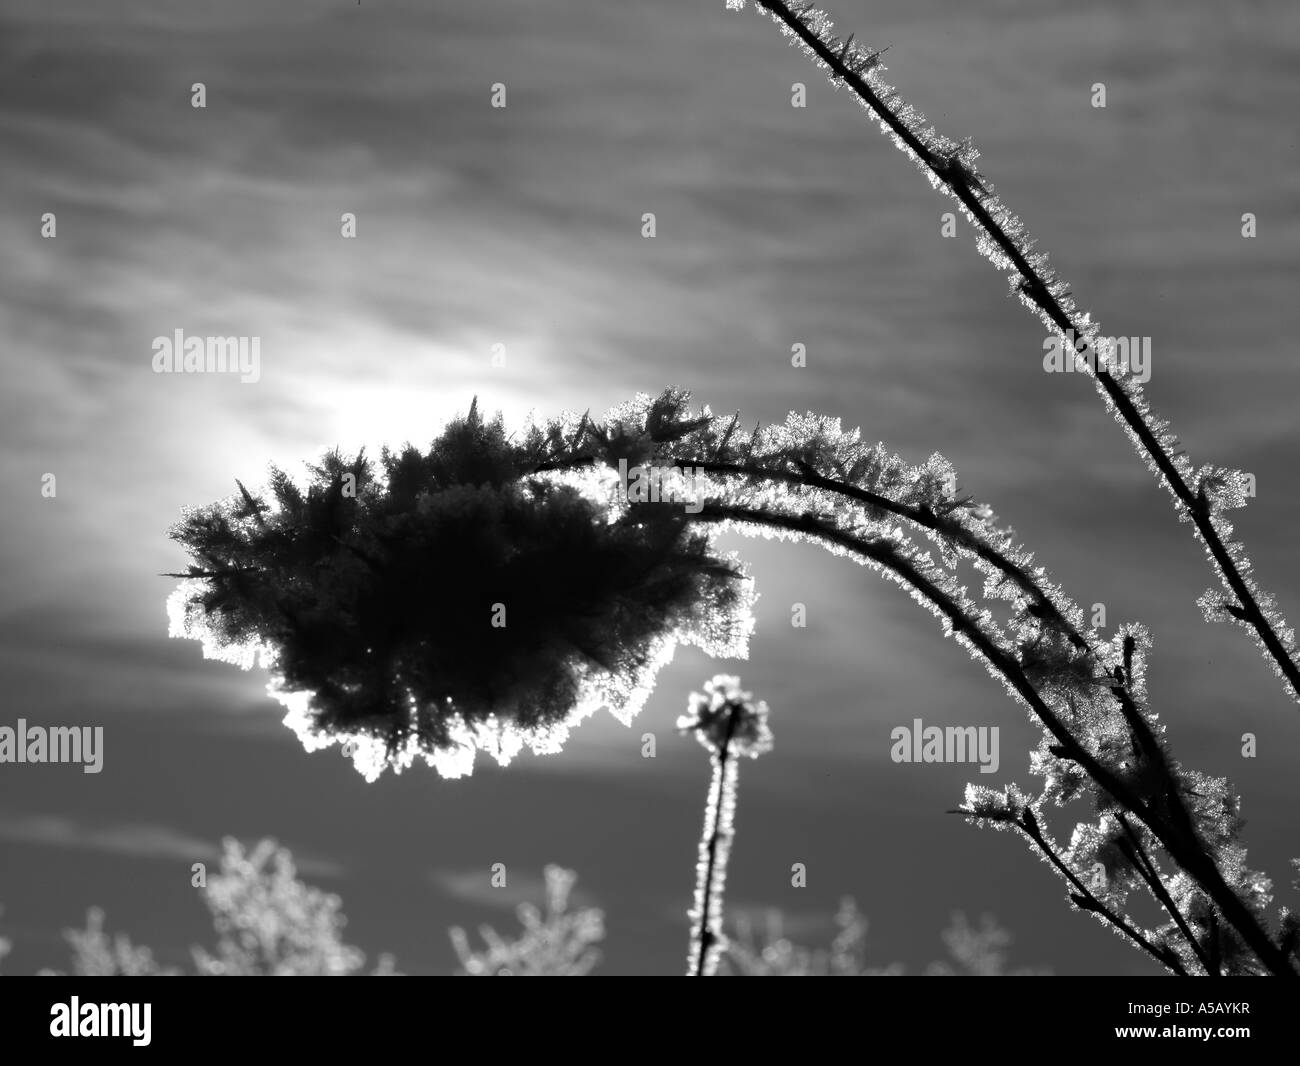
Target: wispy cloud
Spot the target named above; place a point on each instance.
(139, 840)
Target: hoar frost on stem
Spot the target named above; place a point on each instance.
(1201, 496)
(730, 726)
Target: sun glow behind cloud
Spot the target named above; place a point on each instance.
(430, 385)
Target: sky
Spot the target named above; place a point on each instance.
(522, 226)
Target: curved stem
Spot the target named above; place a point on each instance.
(807, 477)
(921, 516)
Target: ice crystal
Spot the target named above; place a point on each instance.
(1102, 850)
(999, 809)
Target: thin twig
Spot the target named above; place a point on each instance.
(1085, 899)
(710, 845)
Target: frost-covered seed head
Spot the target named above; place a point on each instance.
(724, 716)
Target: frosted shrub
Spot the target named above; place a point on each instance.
(559, 943)
(269, 923)
(96, 954)
(765, 951)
